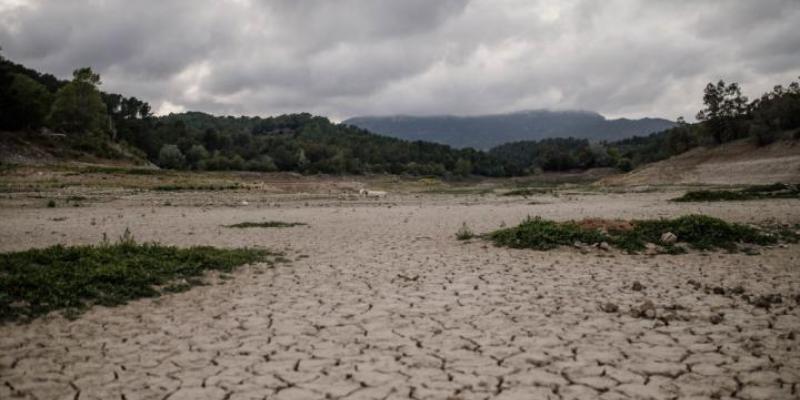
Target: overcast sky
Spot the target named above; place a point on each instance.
(343, 58)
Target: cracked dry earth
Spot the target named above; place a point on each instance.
(380, 302)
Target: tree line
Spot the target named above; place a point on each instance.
(727, 115)
(92, 120)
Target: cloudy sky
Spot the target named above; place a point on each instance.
(343, 58)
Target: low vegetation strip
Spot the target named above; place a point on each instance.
(72, 279)
(209, 187)
(265, 224)
(758, 192)
(697, 231)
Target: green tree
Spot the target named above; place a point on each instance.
(171, 157)
(723, 104)
(463, 167)
(29, 103)
(78, 106)
(196, 154)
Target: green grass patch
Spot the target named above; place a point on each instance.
(698, 231)
(120, 170)
(72, 279)
(757, 192)
(525, 192)
(265, 224)
(209, 187)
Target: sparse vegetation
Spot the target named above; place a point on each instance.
(758, 192)
(464, 233)
(266, 224)
(525, 192)
(198, 187)
(698, 231)
(72, 279)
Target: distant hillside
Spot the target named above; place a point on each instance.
(487, 131)
(738, 162)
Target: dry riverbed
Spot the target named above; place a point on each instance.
(380, 301)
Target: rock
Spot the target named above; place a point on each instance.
(737, 290)
(652, 249)
(669, 238)
(645, 310)
(604, 246)
(609, 307)
(716, 318)
(719, 290)
(637, 286)
(767, 300)
(244, 203)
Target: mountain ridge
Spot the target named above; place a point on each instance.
(490, 130)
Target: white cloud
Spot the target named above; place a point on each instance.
(354, 57)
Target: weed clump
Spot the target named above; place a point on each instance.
(539, 234)
(698, 231)
(757, 192)
(464, 233)
(525, 192)
(72, 279)
(179, 188)
(266, 224)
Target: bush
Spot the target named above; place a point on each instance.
(464, 233)
(625, 164)
(762, 134)
(171, 157)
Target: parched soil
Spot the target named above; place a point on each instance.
(736, 163)
(381, 301)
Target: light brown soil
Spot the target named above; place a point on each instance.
(381, 302)
(735, 163)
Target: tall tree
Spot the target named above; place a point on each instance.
(78, 107)
(723, 105)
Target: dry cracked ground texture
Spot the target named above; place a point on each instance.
(381, 302)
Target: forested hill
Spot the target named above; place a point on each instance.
(99, 123)
(487, 131)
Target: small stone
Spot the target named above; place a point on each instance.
(669, 238)
(719, 290)
(604, 246)
(737, 290)
(609, 307)
(637, 286)
(645, 310)
(716, 318)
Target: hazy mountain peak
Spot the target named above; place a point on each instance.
(487, 131)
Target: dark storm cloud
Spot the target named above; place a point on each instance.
(355, 57)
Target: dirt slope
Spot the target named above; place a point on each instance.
(739, 162)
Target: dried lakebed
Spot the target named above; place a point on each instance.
(382, 302)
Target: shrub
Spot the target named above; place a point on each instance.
(170, 156)
(464, 233)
